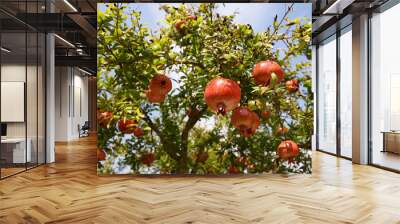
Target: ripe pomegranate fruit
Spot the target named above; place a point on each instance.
(251, 166)
(147, 158)
(292, 85)
(241, 160)
(282, 130)
(160, 84)
(202, 157)
(192, 17)
(233, 170)
(288, 149)
(241, 117)
(182, 22)
(154, 97)
(245, 120)
(101, 155)
(265, 114)
(126, 126)
(138, 132)
(222, 95)
(104, 118)
(262, 72)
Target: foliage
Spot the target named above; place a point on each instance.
(129, 55)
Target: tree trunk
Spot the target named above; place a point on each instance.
(182, 167)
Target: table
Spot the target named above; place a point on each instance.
(13, 150)
(391, 141)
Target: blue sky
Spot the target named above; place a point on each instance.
(259, 15)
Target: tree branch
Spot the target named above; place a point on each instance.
(283, 18)
(189, 125)
(167, 146)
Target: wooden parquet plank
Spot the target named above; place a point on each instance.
(70, 191)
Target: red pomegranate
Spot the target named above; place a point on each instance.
(262, 72)
(241, 160)
(202, 157)
(265, 114)
(147, 158)
(101, 155)
(126, 126)
(242, 117)
(256, 122)
(288, 149)
(233, 170)
(181, 22)
(292, 85)
(104, 118)
(222, 95)
(282, 130)
(138, 132)
(160, 84)
(192, 17)
(251, 166)
(245, 120)
(154, 97)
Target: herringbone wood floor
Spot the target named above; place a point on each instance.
(70, 192)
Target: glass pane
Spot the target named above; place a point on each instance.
(31, 97)
(346, 92)
(41, 98)
(13, 86)
(327, 95)
(386, 89)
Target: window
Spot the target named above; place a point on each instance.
(346, 92)
(385, 88)
(327, 95)
(22, 77)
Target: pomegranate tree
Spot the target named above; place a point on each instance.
(161, 93)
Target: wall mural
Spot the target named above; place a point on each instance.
(204, 88)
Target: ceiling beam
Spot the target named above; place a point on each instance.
(82, 61)
(86, 26)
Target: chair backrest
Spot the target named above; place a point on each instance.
(86, 125)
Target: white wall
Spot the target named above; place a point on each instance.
(71, 102)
